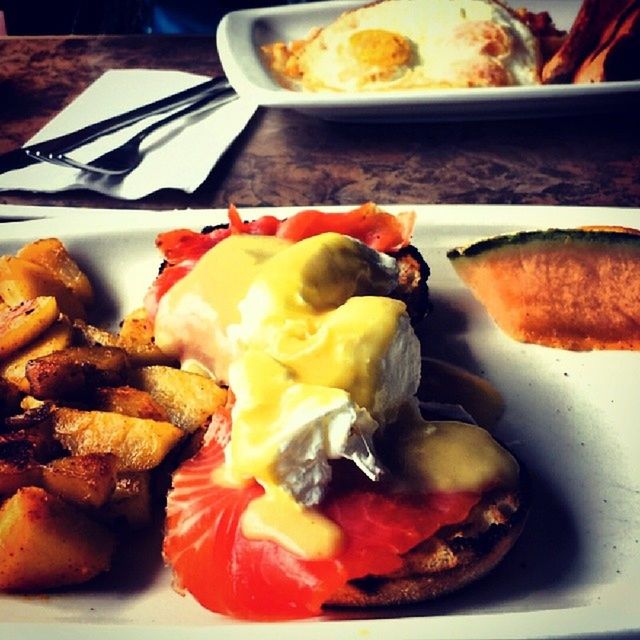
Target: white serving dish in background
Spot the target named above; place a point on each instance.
(241, 33)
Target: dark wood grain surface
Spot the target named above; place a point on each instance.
(286, 158)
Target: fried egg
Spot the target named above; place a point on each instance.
(408, 44)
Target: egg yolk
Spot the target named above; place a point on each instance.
(378, 48)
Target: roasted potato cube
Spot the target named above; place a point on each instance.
(22, 280)
(129, 401)
(9, 397)
(139, 353)
(19, 325)
(46, 542)
(38, 441)
(55, 338)
(17, 467)
(33, 428)
(52, 254)
(68, 373)
(88, 480)
(139, 443)
(29, 402)
(131, 502)
(35, 416)
(137, 337)
(137, 327)
(92, 336)
(189, 398)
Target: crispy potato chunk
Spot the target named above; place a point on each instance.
(137, 327)
(46, 542)
(22, 280)
(87, 480)
(19, 325)
(51, 254)
(141, 351)
(92, 336)
(189, 398)
(33, 417)
(55, 338)
(35, 443)
(16, 473)
(139, 443)
(33, 429)
(9, 397)
(131, 503)
(137, 337)
(129, 401)
(69, 373)
(29, 402)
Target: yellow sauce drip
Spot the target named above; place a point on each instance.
(276, 516)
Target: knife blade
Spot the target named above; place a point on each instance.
(25, 156)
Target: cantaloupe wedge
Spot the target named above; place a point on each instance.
(574, 289)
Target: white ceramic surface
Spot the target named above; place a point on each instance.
(571, 418)
(241, 33)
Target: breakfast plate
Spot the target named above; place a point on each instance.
(241, 34)
(569, 418)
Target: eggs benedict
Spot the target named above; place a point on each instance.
(321, 472)
(308, 342)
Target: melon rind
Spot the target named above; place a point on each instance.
(574, 289)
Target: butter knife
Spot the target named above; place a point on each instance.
(25, 156)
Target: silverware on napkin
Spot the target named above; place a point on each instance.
(32, 154)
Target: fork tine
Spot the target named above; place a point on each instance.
(49, 158)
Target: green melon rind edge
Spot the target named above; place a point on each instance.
(562, 236)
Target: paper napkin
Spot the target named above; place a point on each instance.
(178, 156)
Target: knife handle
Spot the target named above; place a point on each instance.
(75, 139)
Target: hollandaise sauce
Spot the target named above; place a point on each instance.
(194, 316)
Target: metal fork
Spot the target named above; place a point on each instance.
(128, 156)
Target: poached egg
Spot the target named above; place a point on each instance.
(317, 355)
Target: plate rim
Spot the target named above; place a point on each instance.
(13, 217)
(563, 622)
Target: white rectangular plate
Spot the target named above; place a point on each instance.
(241, 33)
(571, 418)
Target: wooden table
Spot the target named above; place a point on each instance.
(285, 158)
